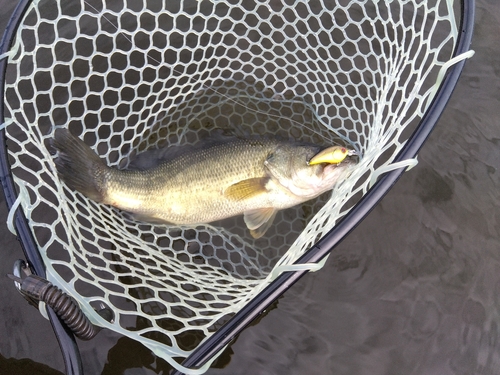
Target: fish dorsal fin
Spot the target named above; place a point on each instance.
(259, 220)
(246, 188)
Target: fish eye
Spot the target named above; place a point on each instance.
(343, 150)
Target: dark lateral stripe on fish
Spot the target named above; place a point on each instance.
(78, 166)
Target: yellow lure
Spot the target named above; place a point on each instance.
(331, 155)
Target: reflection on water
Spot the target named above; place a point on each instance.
(129, 355)
(24, 367)
(415, 289)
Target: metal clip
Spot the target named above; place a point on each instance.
(20, 271)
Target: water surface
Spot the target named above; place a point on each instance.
(415, 289)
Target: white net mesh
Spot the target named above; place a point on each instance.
(127, 76)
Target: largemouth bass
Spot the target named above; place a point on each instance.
(250, 177)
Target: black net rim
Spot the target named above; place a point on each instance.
(323, 247)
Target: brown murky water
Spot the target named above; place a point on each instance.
(415, 289)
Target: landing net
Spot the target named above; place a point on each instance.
(129, 76)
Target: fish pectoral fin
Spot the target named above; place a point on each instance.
(247, 188)
(259, 220)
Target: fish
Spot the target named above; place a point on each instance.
(253, 177)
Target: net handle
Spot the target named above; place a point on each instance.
(217, 342)
(69, 349)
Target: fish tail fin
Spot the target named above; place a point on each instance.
(78, 166)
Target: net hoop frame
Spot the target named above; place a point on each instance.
(218, 341)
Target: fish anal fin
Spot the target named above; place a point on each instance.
(259, 220)
(246, 188)
(142, 217)
(151, 219)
